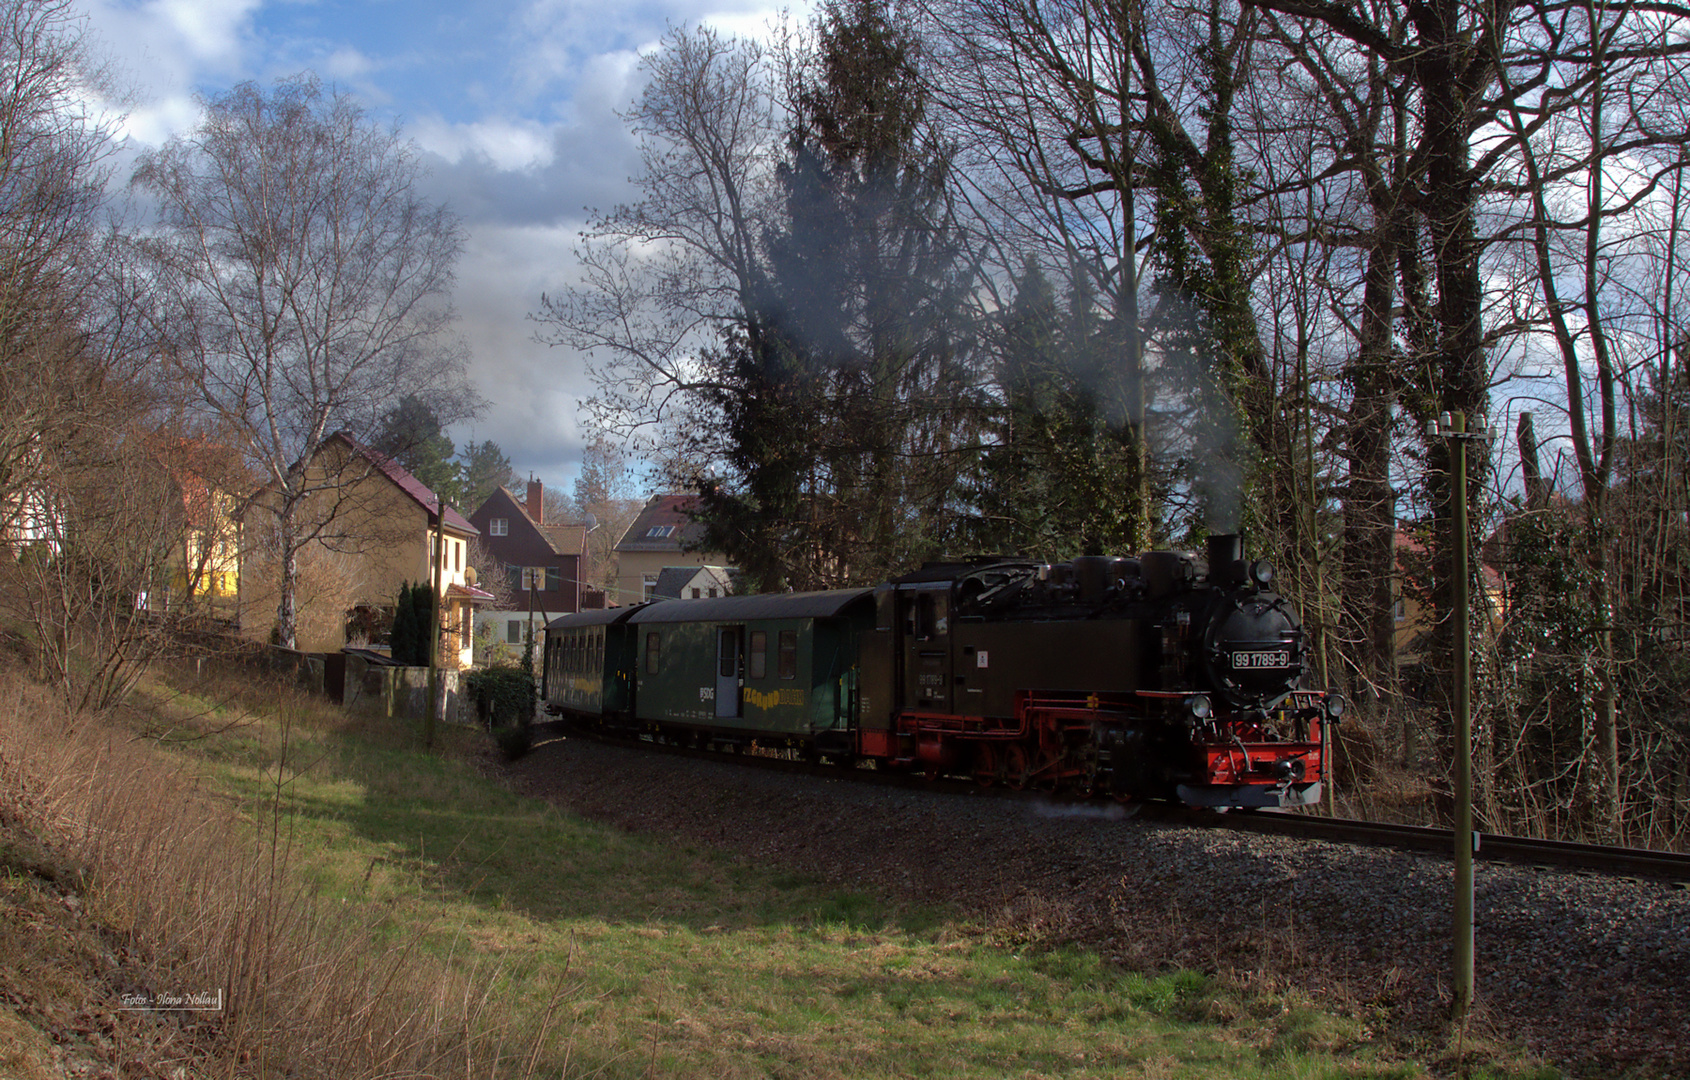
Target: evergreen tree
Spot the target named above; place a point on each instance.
(1050, 483)
(846, 400)
(483, 469)
(423, 603)
(412, 435)
(403, 637)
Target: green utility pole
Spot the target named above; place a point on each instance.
(434, 625)
(1453, 428)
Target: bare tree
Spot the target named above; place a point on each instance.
(52, 154)
(305, 286)
(666, 276)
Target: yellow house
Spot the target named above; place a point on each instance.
(654, 543)
(373, 528)
(207, 568)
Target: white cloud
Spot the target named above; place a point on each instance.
(510, 145)
(161, 51)
(347, 64)
(155, 123)
(212, 30)
(534, 391)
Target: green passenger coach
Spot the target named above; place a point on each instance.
(781, 668)
(589, 663)
(778, 666)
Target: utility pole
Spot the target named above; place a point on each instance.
(1453, 429)
(434, 624)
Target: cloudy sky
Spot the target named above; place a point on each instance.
(514, 104)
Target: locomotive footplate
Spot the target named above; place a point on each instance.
(1251, 795)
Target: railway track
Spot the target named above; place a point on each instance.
(1608, 861)
(1492, 847)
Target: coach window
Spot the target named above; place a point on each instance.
(789, 654)
(651, 643)
(758, 663)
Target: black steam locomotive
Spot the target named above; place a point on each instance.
(1165, 676)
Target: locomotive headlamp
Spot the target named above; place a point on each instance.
(1198, 705)
(1261, 572)
(1333, 706)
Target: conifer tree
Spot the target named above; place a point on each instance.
(402, 639)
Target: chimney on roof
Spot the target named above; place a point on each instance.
(537, 502)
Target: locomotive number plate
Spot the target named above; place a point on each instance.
(1270, 658)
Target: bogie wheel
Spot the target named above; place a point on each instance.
(1015, 766)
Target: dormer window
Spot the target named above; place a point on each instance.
(499, 527)
(658, 532)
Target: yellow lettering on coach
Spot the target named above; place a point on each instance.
(768, 699)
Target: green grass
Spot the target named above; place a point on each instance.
(646, 958)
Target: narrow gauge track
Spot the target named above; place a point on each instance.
(1607, 861)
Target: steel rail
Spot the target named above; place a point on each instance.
(1492, 847)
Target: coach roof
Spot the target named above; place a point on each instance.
(592, 617)
(812, 605)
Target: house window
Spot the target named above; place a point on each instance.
(457, 555)
(466, 626)
(499, 527)
(709, 592)
(695, 593)
(789, 654)
(660, 531)
(650, 582)
(1399, 610)
(513, 631)
(759, 659)
(651, 653)
(554, 579)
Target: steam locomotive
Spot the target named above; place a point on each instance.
(1166, 676)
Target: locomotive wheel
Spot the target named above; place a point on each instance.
(988, 770)
(1014, 769)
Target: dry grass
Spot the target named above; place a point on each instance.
(204, 901)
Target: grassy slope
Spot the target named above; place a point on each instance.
(616, 955)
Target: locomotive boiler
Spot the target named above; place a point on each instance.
(1165, 676)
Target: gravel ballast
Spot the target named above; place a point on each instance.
(1589, 972)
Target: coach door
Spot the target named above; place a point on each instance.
(727, 671)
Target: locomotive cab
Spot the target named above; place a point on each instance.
(1162, 676)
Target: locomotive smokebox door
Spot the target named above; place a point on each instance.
(925, 625)
(727, 671)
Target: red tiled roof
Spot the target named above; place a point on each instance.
(468, 592)
(663, 510)
(410, 485)
(564, 538)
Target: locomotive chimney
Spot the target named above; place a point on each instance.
(1226, 559)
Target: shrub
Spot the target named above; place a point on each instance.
(514, 740)
(504, 695)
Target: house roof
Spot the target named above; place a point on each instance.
(563, 538)
(468, 592)
(420, 492)
(664, 524)
(673, 581)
